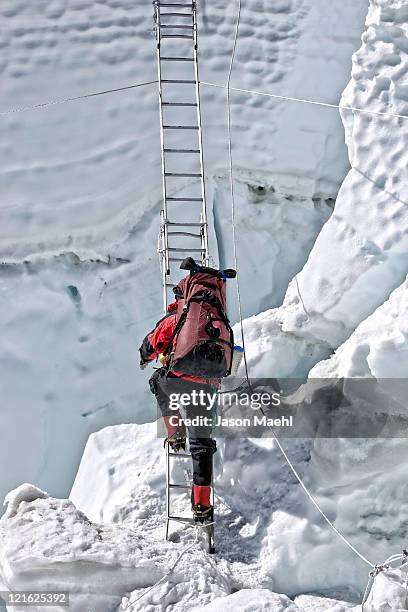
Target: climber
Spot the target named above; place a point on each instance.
(195, 353)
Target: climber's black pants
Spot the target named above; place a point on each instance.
(202, 445)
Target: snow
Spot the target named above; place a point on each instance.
(23, 493)
(377, 347)
(80, 188)
(281, 544)
(251, 600)
(79, 286)
(319, 603)
(49, 545)
(389, 593)
(350, 296)
(360, 256)
(121, 474)
(264, 209)
(106, 543)
(272, 351)
(126, 552)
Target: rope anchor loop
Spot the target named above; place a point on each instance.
(378, 568)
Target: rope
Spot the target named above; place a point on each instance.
(405, 553)
(376, 569)
(231, 173)
(314, 502)
(312, 499)
(24, 109)
(383, 567)
(171, 570)
(371, 577)
(306, 101)
(300, 297)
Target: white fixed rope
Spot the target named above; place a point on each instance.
(306, 101)
(40, 105)
(383, 567)
(231, 179)
(227, 87)
(375, 568)
(131, 602)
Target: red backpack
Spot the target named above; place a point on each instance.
(202, 342)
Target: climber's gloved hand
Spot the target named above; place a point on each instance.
(143, 365)
(163, 359)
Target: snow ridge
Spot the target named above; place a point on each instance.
(361, 254)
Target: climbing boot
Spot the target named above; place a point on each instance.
(201, 503)
(176, 435)
(177, 442)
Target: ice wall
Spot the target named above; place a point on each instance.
(80, 196)
(377, 347)
(361, 254)
(352, 294)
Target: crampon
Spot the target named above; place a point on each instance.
(176, 442)
(203, 514)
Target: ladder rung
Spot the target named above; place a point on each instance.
(179, 486)
(173, 224)
(175, 14)
(190, 6)
(184, 455)
(179, 103)
(181, 519)
(167, 26)
(170, 285)
(181, 150)
(180, 127)
(177, 36)
(184, 81)
(184, 199)
(177, 59)
(180, 250)
(184, 234)
(184, 174)
(176, 258)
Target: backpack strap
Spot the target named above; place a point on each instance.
(197, 298)
(213, 301)
(177, 328)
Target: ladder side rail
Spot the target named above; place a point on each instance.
(165, 253)
(211, 534)
(167, 491)
(205, 258)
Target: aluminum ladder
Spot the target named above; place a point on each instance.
(183, 219)
(170, 486)
(183, 226)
